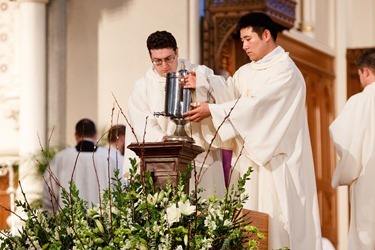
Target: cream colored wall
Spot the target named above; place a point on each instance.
(82, 63)
(360, 23)
(107, 51)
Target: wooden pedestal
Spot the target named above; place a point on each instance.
(170, 159)
(260, 220)
(8, 185)
(4, 201)
(166, 160)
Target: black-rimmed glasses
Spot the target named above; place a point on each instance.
(159, 62)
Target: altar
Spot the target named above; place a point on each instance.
(169, 160)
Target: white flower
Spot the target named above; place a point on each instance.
(186, 208)
(179, 247)
(141, 246)
(165, 200)
(208, 222)
(206, 243)
(69, 230)
(173, 214)
(57, 235)
(160, 196)
(151, 199)
(227, 223)
(155, 227)
(94, 212)
(115, 210)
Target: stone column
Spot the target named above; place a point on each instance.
(194, 31)
(307, 8)
(31, 61)
(56, 76)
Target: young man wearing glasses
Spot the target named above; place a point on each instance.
(148, 97)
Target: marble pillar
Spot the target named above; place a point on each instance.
(308, 15)
(31, 62)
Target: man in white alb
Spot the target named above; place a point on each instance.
(353, 133)
(86, 164)
(148, 97)
(269, 120)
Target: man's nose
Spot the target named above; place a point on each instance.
(244, 45)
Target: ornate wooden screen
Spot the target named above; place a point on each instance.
(317, 69)
(222, 15)
(4, 201)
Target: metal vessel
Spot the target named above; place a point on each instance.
(177, 102)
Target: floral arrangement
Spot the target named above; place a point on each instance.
(139, 216)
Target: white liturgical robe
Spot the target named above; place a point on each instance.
(148, 97)
(353, 133)
(269, 121)
(92, 172)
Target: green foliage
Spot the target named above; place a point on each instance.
(43, 158)
(139, 216)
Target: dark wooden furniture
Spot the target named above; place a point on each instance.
(7, 190)
(4, 201)
(170, 159)
(317, 68)
(166, 160)
(220, 18)
(260, 220)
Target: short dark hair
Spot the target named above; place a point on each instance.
(116, 131)
(366, 59)
(259, 22)
(85, 128)
(161, 40)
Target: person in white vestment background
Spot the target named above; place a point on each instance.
(353, 134)
(148, 97)
(263, 110)
(116, 142)
(87, 164)
(116, 146)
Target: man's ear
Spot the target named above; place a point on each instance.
(266, 35)
(177, 52)
(367, 72)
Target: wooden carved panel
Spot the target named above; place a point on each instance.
(220, 21)
(4, 201)
(318, 71)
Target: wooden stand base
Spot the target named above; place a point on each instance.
(166, 160)
(170, 159)
(260, 220)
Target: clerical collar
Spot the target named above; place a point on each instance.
(85, 146)
(270, 55)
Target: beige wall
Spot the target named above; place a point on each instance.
(360, 23)
(106, 51)
(106, 45)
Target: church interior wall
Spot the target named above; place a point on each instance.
(360, 24)
(106, 53)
